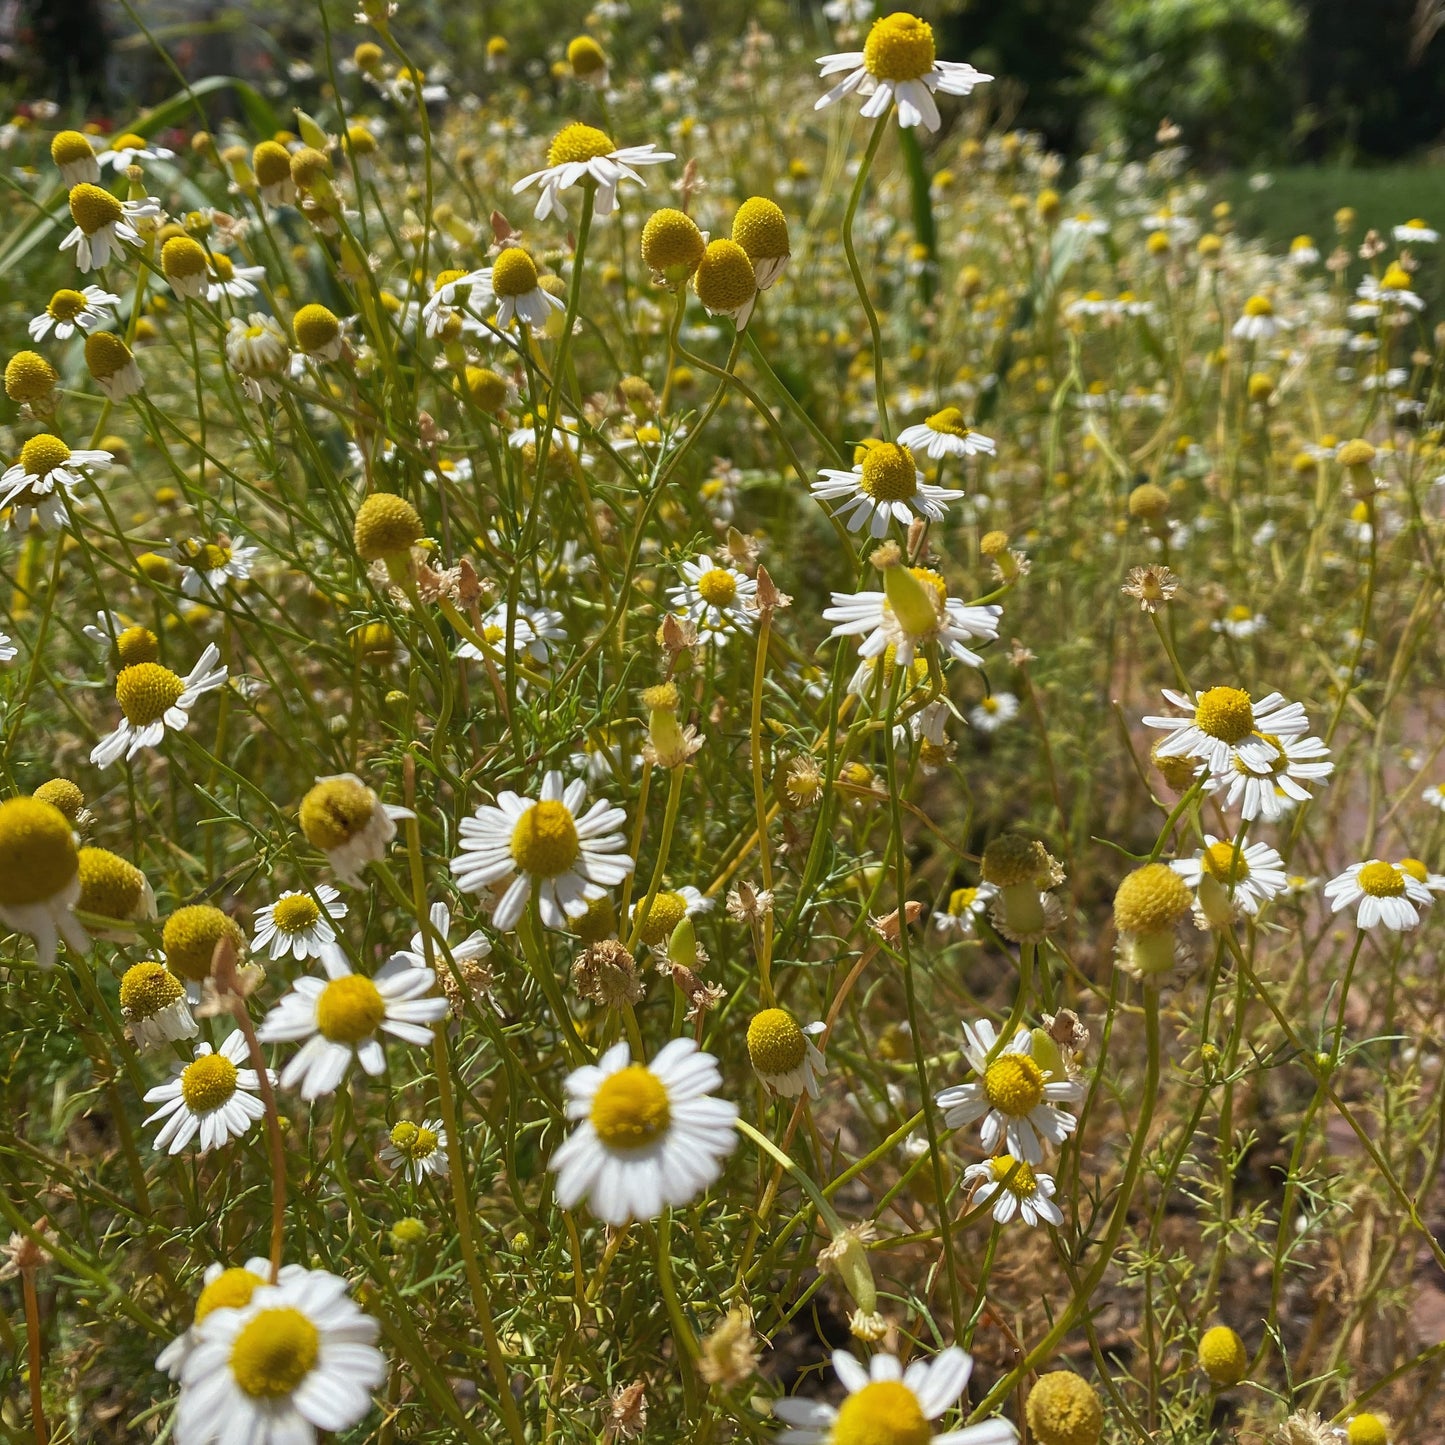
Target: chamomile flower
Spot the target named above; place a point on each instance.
(416, 1150)
(669, 907)
(1380, 893)
(1394, 287)
(1241, 623)
(343, 818)
(103, 223)
(583, 155)
(898, 66)
(1270, 784)
(715, 597)
(339, 1019)
(74, 156)
(994, 712)
(537, 630)
(964, 909)
(225, 278)
(647, 1136)
(1226, 879)
(511, 284)
(783, 1054)
(297, 1358)
(221, 1288)
(1415, 232)
(547, 845)
(258, 352)
(296, 924)
(129, 149)
(884, 486)
(912, 612)
(1016, 1099)
(945, 434)
(212, 1097)
(1257, 322)
(1015, 1188)
(885, 1401)
(208, 566)
(1224, 723)
(152, 699)
(1435, 882)
(1435, 796)
(1303, 252)
(70, 311)
(43, 479)
(40, 876)
(474, 946)
(154, 1006)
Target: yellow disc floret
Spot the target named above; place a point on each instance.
(109, 886)
(42, 454)
(230, 1290)
(146, 692)
(106, 354)
(1151, 899)
(190, 937)
(147, 988)
(724, 280)
(576, 143)
(315, 327)
(1381, 880)
(1367, 1429)
(413, 1141)
(70, 146)
(630, 1108)
(1222, 863)
(295, 913)
(1222, 1356)
(889, 473)
(29, 378)
(1014, 1084)
(183, 259)
(335, 811)
(92, 209)
(717, 587)
(883, 1412)
(349, 1009)
(1225, 713)
(208, 1082)
(1258, 306)
(776, 1045)
(657, 922)
(949, 421)
(63, 794)
(386, 525)
(1020, 1177)
(38, 856)
(544, 841)
(274, 1352)
(514, 273)
(1064, 1409)
(899, 47)
(1009, 860)
(66, 304)
(672, 245)
(585, 57)
(761, 229)
(486, 388)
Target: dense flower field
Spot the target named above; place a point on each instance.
(706, 754)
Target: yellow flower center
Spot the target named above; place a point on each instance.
(899, 47)
(1223, 864)
(386, 525)
(1064, 1409)
(889, 473)
(1382, 880)
(1225, 713)
(349, 1010)
(136, 645)
(585, 56)
(42, 454)
(37, 851)
(545, 842)
(222, 268)
(1396, 278)
(579, 142)
(667, 911)
(128, 141)
(191, 935)
(1258, 306)
(70, 146)
(1014, 1084)
(66, 305)
(672, 243)
(413, 1141)
(883, 1412)
(92, 209)
(63, 794)
(315, 327)
(961, 901)
(776, 1045)
(183, 257)
(146, 691)
(1367, 1429)
(1240, 613)
(230, 1290)
(717, 587)
(147, 988)
(761, 229)
(274, 1353)
(724, 280)
(207, 1083)
(295, 913)
(630, 1108)
(109, 886)
(949, 420)
(1023, 1180)
(514, 273)
(1414, 868)
(335, 811)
